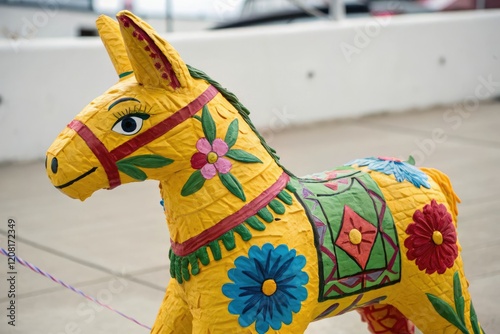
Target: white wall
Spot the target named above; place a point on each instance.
(301, 70)
(49, 20)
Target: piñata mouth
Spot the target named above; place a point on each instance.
(67, 184)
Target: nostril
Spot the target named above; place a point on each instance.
(54, 165)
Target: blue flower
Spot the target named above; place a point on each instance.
(267, 288)
(400, 169)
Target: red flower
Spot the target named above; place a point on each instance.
(432, 240)
(209, 158)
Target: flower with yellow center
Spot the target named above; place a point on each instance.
(212, 157)
(437, 238)
(269, 287)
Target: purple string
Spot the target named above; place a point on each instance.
(80, 292)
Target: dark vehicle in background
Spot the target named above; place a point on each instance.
(266, 12)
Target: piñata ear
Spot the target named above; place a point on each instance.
(156, 63)
(109, 30)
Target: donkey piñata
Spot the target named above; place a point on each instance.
(255, 249)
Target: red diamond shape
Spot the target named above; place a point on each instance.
(359, 251)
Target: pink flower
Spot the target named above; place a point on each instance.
(209, 158)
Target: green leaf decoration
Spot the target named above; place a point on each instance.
(132, 171)
(184, 269)
(285, 197)
(193, 184)
(277, 207)
(215, 248)
(147, 161)
(447, 312)
(459, 298)
(202, 255)
(193, 261)
(208, 124)
(244, 233)
(255, 223)
(473, 320)
(129, 165)
(232, 133)
(266, 215)
(228, 240)
(411, 160)
(197, 117)
(233, 185)
(240, 155)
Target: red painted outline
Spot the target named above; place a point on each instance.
(189, 246)
(164, 126)
(169, 70)
(99, 150)
(108, 159)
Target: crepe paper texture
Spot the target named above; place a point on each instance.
(254, 248)
(401, 170)
(210, 160)
(432, 240)
(354, 305)
(456, 315)
(358, 248)
(185, 261)
(381, 317)
(268, 287)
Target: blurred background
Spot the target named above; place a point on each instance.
(189, 15)
(326, 81)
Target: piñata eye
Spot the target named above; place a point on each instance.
(130, 124)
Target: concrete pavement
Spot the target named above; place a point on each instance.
(114, 246)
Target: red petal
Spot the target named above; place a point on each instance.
(198, 160)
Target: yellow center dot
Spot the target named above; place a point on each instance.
(355, 237)
(212, 157)
(269, 287)
(437, 238)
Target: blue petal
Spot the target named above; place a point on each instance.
(250, 290)
(401, 170)
(261, 326)
(284, 267)
(287, 316)
(301, 294)
(236, 306)
(279, 263)
(243, 263)
(302, 278)
(255, 276)
(276, 321)
(359, 162)
(266, 248)
(246, 320)
(230, 290)
(253, 302)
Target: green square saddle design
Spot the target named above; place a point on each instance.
(355, 235)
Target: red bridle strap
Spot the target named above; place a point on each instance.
(99, 150)
(164, 126)
(108, 159)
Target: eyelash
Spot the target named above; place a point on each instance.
(136, 110)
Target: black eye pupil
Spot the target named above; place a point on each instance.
(129, 124)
